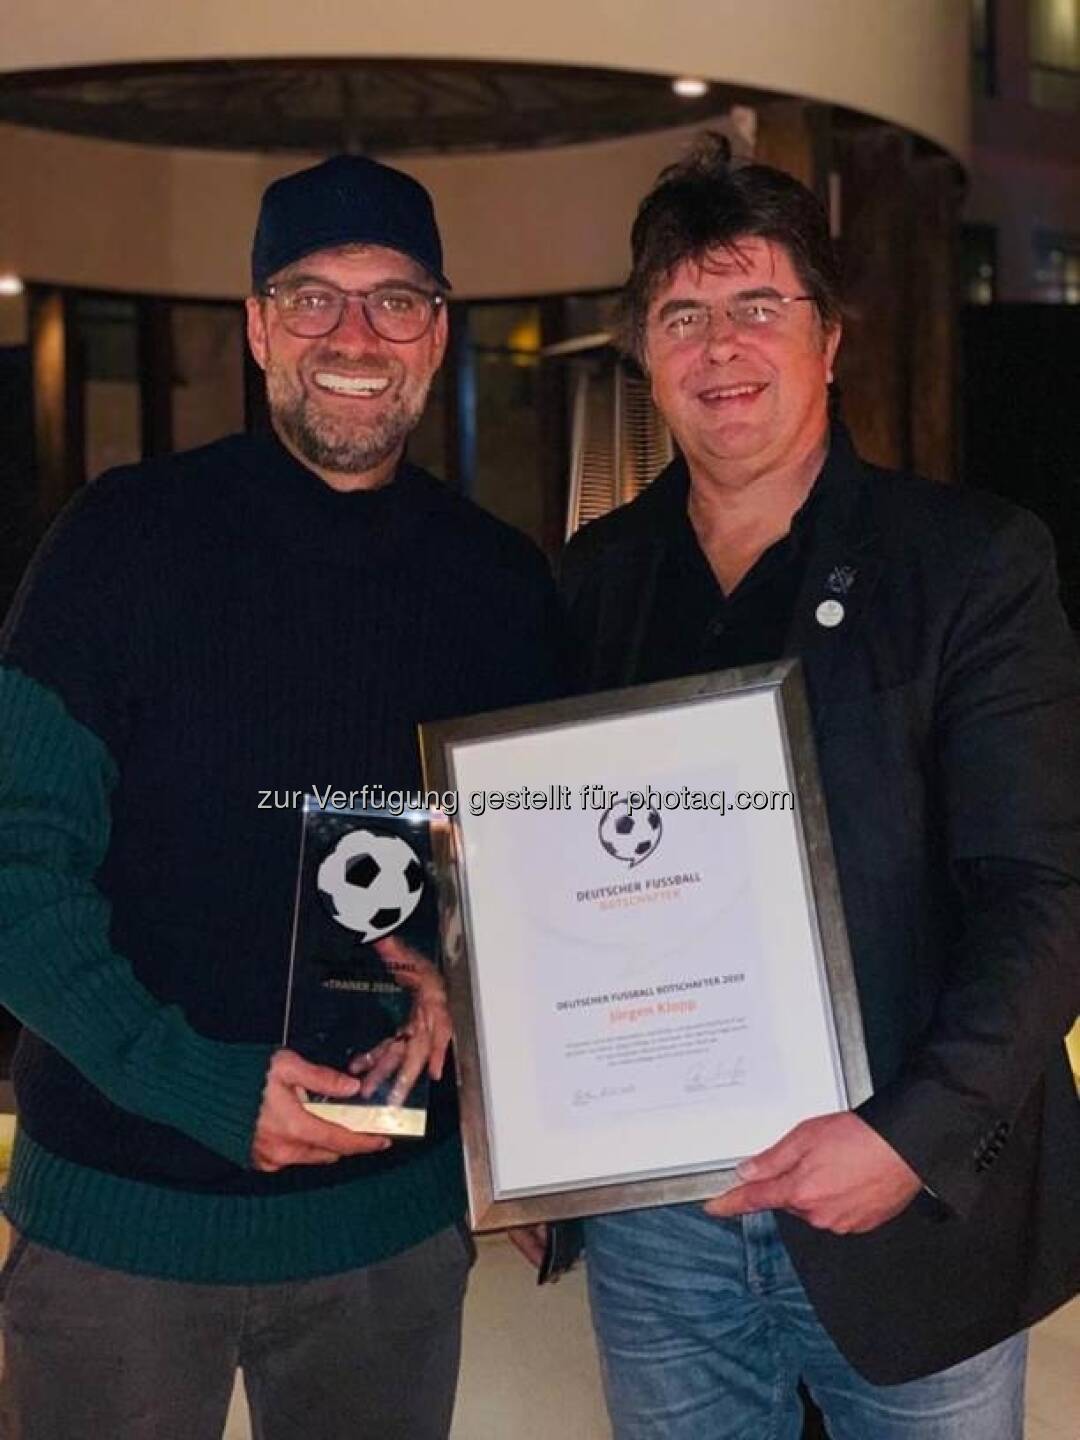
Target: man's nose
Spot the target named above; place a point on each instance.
(354, 327)
(723, 334)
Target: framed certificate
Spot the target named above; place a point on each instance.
(644, 943)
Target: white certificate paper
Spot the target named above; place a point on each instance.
(647, 984)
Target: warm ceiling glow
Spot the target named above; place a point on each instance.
(1064, 21)
(689, 87)
(10, 285)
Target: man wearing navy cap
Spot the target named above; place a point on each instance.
(319, 275)
(267, 614)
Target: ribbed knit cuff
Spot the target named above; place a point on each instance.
(228, 1239)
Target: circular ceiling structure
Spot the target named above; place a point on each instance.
(135, 144)
(376, 106)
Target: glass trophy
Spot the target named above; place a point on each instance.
(364, 875)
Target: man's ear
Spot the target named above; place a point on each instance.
(256, 329)
(442, 333)
(833, 336)
(639, 352)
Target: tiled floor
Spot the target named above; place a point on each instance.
(529, 1367)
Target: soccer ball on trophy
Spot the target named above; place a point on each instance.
(630, 835)
(370, 883)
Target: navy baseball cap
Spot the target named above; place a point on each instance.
(347, 200)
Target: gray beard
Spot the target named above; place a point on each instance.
(331, 446)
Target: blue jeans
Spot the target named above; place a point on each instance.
(705, 1330)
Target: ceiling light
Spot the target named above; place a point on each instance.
(689, 87)
(10, 285)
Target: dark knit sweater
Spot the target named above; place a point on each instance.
(195, 631)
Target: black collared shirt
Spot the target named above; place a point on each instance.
(694, 627)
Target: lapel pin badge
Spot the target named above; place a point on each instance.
(829, 613)
(841, 579)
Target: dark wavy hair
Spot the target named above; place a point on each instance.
(705, 202)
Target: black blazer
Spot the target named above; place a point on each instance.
(946, 708)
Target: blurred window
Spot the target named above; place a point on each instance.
(978, 264)
(1054, 53)
(504, 342)
(983, 49)
(207, 379)
(1057, 268)
(107, 344)
(154, 375)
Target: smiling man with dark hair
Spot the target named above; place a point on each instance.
(891, 1257)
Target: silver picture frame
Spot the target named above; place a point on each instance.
(511, 931)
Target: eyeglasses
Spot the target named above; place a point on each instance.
(692, 320)
(398, 312)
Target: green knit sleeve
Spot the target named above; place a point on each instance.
(58, 972)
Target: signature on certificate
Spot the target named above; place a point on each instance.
(603, 1093)
(715, 1075)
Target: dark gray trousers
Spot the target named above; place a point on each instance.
(93, 1354)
